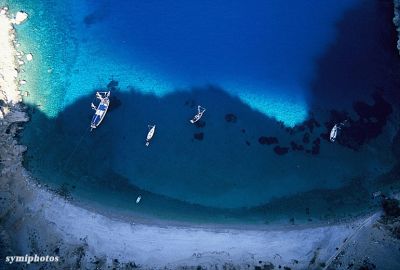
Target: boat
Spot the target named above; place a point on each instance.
(335, 129)
(101, 109)
(200, 112)
(333, 134)
(138, 199)
(150, 134)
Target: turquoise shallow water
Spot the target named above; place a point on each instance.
(249, 65)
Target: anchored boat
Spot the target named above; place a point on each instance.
(101, 109)
(200, 111)
(150, 134)
(335, 130)
(138, 198)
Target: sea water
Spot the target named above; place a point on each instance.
(257, 67)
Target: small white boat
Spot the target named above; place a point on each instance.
(335, 129)
(138, 199)
(333, 134)
(200, 112)
(101, 109)
(150, 134)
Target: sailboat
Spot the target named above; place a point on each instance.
(150, 134)
(335, 130)
(200, 111)
(101, 109)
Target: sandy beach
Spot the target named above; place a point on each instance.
(102, 239)
(34, 220)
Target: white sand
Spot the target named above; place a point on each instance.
(155, 246)
(173, 246)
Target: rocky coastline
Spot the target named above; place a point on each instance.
(396, 20)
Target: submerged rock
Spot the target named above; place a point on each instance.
(391, 207)
(281, 150)
(191, 103)
(315, 150)
(268, 140)
(302, 128)
(311, 123)
(20, 17)
(114, 103)
(317, 141)
(199, 136)
(296, 147)
(396, 145)
(200, 124)
(29, 57)
(112, 84)
(96, 16)
(230, 118)
(371, 120)
(316, 146)
(306, 137)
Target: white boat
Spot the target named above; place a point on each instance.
(333, 134)
(138, 199)
(335, 130)
(200, 112)
(150, 134)
(101, 109)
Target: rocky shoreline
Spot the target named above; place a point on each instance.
(12, 113)
(396, 20)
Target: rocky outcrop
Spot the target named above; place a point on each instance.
(396, 20)
(16, 116)
(29, 57)
(11, 154)
(20, 17)
(396, 145)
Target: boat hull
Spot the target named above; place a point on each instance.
(100, 112)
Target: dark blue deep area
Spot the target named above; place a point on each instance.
(213, 38)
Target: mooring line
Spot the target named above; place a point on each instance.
(76, 148)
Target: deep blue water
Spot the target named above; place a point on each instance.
(261, 51)
(267, 63)
(260, 42)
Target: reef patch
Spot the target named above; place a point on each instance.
(371, 120)
(296, 147)
(268, 140)
(230, 118)
(281, 150)
(199, 136)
